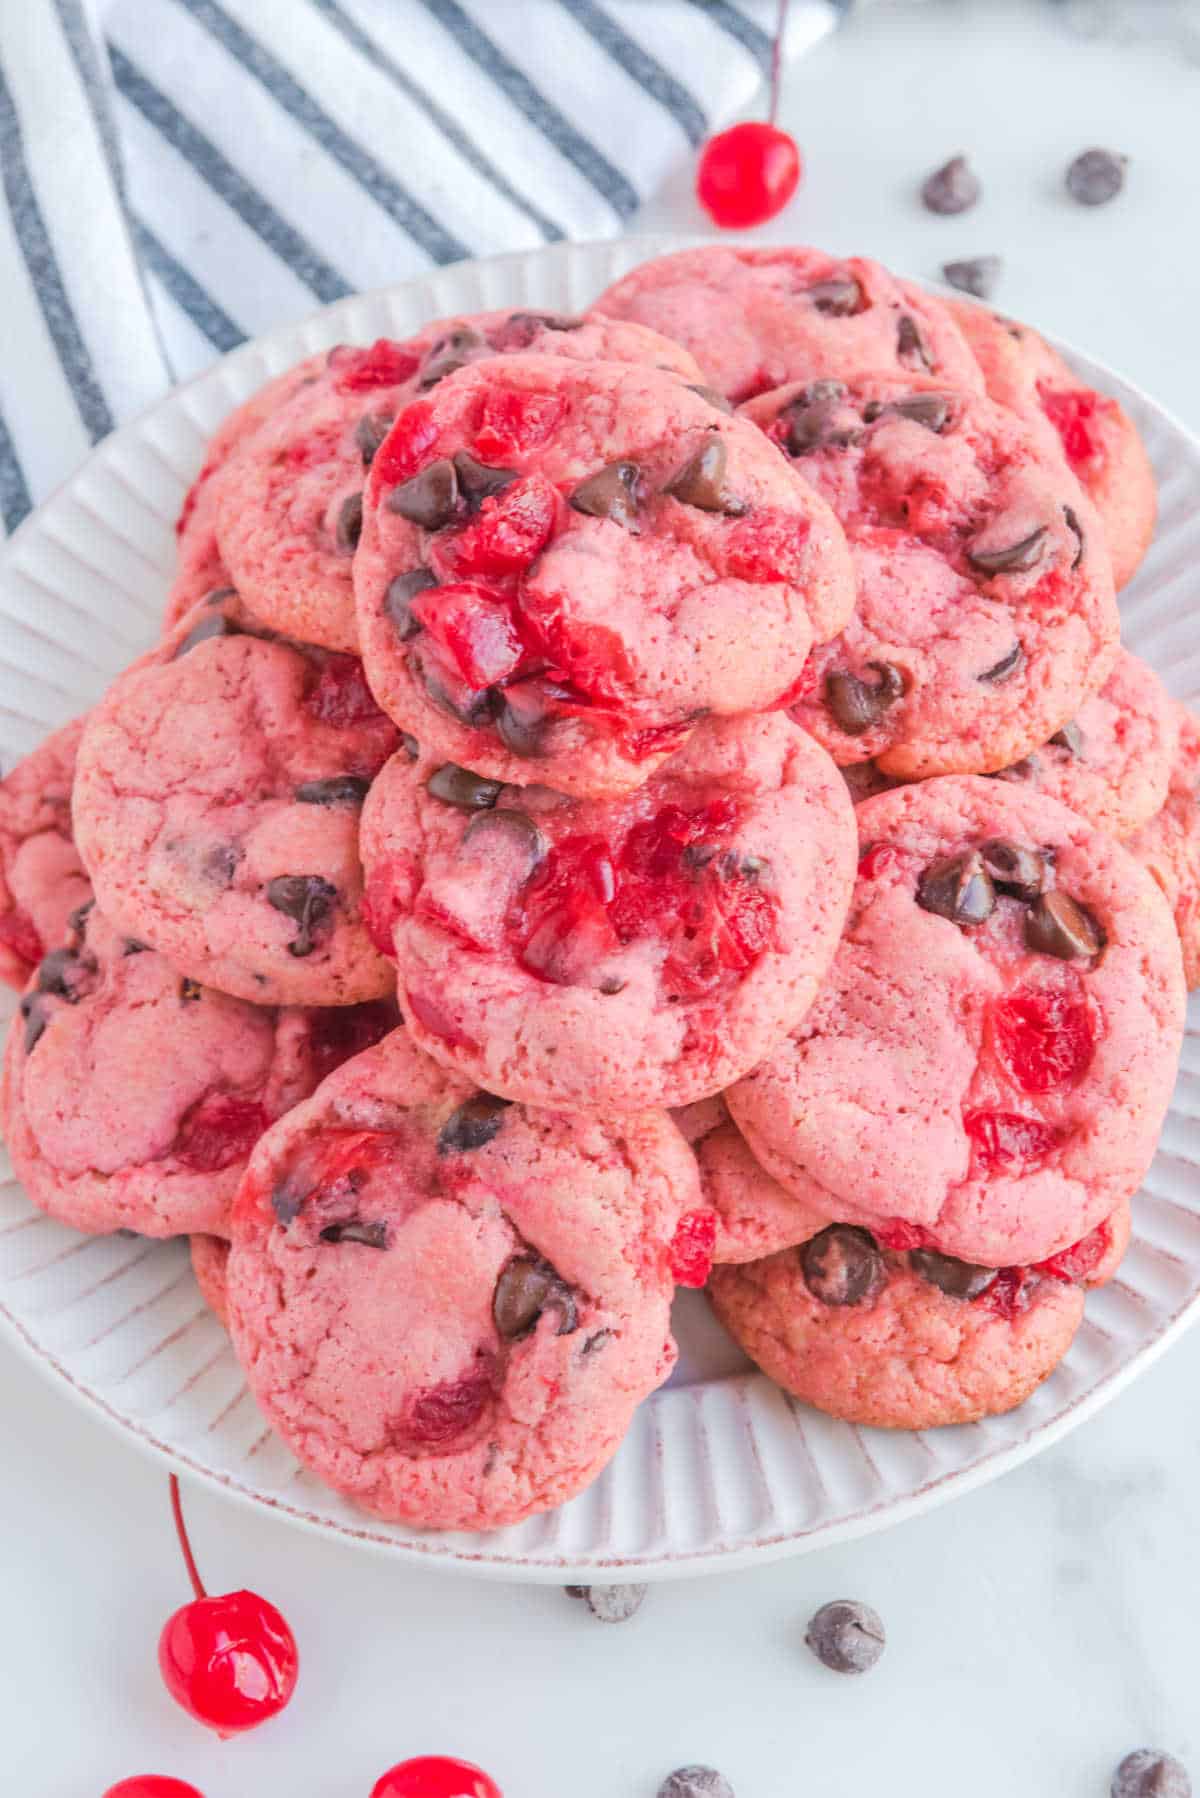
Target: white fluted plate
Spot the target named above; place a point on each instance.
(720, 1468)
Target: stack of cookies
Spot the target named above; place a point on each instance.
(622, 802)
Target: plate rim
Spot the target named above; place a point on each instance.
(441, 1551)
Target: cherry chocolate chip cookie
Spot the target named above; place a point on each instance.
(41, 876)
(449, 1306)
(217, 799)
(985, 612)
(564, 566)
(988, 1064)
(617, 953)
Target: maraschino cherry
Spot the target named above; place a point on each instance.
(435, 1776)
(231, 1662)
(152, 1785)
(749, 173)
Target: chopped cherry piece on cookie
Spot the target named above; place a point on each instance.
(1045, 1035)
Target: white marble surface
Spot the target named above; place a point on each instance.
(1038, 1628)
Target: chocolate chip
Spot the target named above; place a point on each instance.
(976, 275)
(77, 922)
(846, 1636)
(836, 298)
(842, 1265)
(58, 973)
(701, 482)
(910, 345)
(521, 329)
(1073, 525)
(522, 715)
(349, 524)
(1151, 1773)
(409, 745)
(1028, 768)
(1015, 868)
(957, 1279)
(813, 419)
(371, 1233)
(1070, 738)
(218, 595)
(286, 1202)
(612, 494)
(217, 624)
(189, 991)
(471, 706)
(341, 789)
(1058, 925)
(1005, 668)
(1096, 176)
(611, 1604)
(220, 863)
(507, 830)
(713, 398)
(933, 410)
(596, 1341)
(32, 1009)
(1010, 558)
(458, 786)
(448, 354)
(695, 1782)
(397, 601)
(307, 898)
(958, 887)
(131, 946)
(428, 499)
(478, 481)
(369, 434)
(855, 703)
(527, 1287)
(952, 188)
(475, 1123)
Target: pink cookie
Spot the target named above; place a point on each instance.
(1097, 436)
(988, 1065)
(201, 571)
(565, 565)
(210, 1264)
(756, 318)
(133, 1096)
(985, 612)
(755, 1215)
(613, 954)
(447, 1306)
(907, 1341)
(216, 810)
(41, 876)
(1169, 845)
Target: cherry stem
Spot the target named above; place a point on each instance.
(777, 59)
(184, 1543)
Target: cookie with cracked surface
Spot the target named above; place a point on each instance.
(990, 1059)
(760, 316)
(41, 876)
(1168, 845)
(561, 562)
(985, 612)
(450, 1307)
(217, 797)
(907, 1339)
(616, 953)
(133, 1096)
(1092, 430)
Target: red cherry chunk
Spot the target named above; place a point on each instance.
(747, 174)
(1005, 1142)
(1074, 413)
(339, 1032)
(1008, 1294)
(18, 932)
(443, 1412)
(566, 929)
(897, 1234)
(435, 1776)
(1081, 1259)
(877, 860)
(381, 908)
(152, 1785)
(769, 547)
(340, 695)
(385, 364)
(230, 1662)
(475, 631)
(656, 739)
(692, 1248)
(219, 1131)
(1044, 1035)
(513, 527)
(512, 422)
(405, 449)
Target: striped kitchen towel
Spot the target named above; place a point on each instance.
(182, 174)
